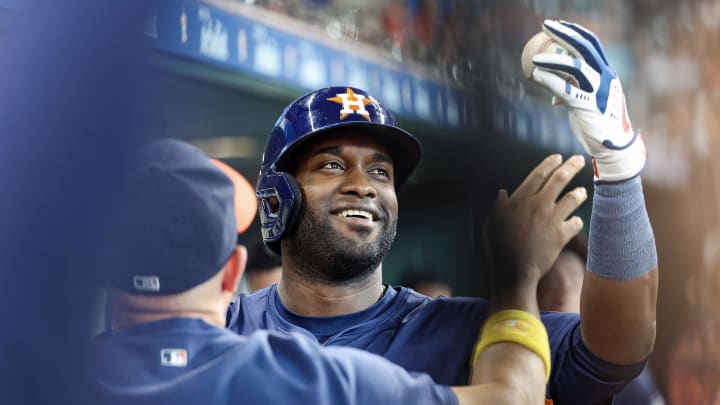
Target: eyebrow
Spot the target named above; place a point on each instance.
(332, 150)
(336, 150)
(381, 157)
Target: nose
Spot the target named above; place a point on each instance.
(359, 183)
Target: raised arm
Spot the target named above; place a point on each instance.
(620, 288)
(524, 235)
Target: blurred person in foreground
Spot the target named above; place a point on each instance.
(71, 85)
(264, 268)
(559, 291)
(173, 264)
(328, 184)
(428, 284)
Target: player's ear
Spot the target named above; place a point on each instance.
(234, 269)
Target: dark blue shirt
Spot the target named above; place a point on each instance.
(640, 391)
(187, 361)
(436, 337)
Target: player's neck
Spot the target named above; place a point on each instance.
(125, 319)
(201, 302)
(311, 298)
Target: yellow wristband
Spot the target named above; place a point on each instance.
(519, 327)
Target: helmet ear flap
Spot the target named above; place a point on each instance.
(295, 211)
(280, 199)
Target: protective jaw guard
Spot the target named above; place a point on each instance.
(310, 116)
(276, 220)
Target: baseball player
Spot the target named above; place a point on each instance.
(328, 204)
(172, 265)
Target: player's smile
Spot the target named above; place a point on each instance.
(357, 217)
(355, 213)
(356, 228)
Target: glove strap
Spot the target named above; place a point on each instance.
(620, 162)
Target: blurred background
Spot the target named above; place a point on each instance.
(218, 73)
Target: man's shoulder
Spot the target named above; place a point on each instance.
(256, 297)
(249, 308)
(415, 298)
(416, 306)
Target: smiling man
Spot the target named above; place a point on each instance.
(328, 204)
(350, 221)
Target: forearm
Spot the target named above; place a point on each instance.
(620, 288)
(618, 317)
(506, 373)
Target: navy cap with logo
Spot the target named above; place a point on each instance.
(174, 221)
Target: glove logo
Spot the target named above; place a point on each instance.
(352, 103)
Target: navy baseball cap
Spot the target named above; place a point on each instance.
(175, 219)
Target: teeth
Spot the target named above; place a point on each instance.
(356, 213)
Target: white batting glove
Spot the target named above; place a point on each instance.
(597, 111)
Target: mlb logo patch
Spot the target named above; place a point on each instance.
(173, 357)
(146, 283)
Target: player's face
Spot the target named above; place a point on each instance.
(350, 207)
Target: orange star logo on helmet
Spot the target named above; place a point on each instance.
(352, 104)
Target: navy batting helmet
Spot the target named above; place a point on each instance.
(306, 118)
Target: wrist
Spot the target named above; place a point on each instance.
(620, 162)
(622, 244)
(522, 296)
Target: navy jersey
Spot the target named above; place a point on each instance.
(188, 361)
(436, 337)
